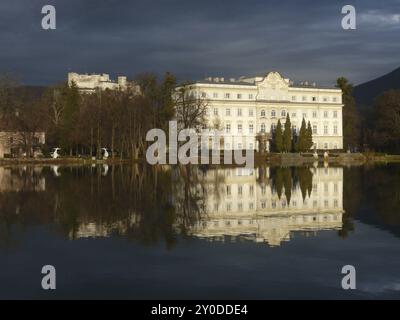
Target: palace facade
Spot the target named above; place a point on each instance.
(249, 108)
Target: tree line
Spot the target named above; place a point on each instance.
(81, 124)
(376, 130)
(84, 123)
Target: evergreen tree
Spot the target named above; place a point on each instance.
(287, 135)
(309, 139)
(351, 117)
(301, 140)
(279, 137)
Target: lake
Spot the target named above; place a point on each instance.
(197, 232)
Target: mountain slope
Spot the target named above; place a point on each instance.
(366, 93)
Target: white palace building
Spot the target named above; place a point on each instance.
(250, 107)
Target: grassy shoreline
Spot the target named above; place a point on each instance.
(270, 158)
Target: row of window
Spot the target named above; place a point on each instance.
(251, 96)
(263, 189)
(274, 205)
(263, 114)
(295, 129)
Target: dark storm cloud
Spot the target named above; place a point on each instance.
(194, 39)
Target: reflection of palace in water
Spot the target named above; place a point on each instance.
(261, 204)
(246, 207)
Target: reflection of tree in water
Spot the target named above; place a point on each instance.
(383, 186)
(287, 179)
(137, 201)
(149, 204)
(189, 195)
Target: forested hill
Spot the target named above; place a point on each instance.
(366, 93)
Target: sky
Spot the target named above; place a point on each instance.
(304, 40)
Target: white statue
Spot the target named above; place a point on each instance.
(55, 153)
(315, 155)
(326, 155)
(105, 154)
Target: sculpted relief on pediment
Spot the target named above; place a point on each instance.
(273, 87)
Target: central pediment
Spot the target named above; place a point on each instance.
(273, 87)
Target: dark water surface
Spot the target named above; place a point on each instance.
(194, 232)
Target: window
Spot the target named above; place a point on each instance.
(203, 95)
(314, 98)
(263, 127)
(215, 111)
(239, 128)
(228, 112)
(293, 114)
(293, 98)
(304, 98)
(251, 206)
(215, 95)
(251, 128)
(263, 204)
(228, 190)
(251, 190)
(240, 208)
(228, 128)
(250, 96)
(262, 113)
(273, 127)
(335, 130)
(325, 145)
(304, 115)
(314, 129)
(273, 113)
(239, 112)
(227, 95)
(240, 190)
(251, 112)
(325, 114)
(314, 114)
(325, 99)
(334, 99)
(283, 113)
(325, 130)
(239, 96)
(294, 129)
(335, 114)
